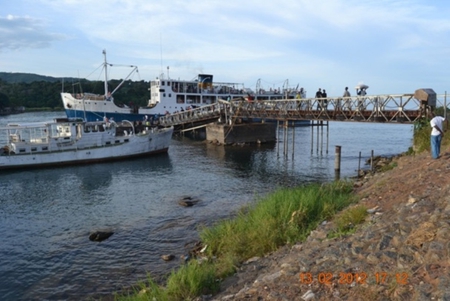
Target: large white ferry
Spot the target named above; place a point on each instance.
(64, 141)
(168, 96)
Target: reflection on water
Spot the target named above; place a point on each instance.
(46, 215)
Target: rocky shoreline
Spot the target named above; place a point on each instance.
(401, 251)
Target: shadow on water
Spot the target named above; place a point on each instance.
(265, 163)
(98, 176)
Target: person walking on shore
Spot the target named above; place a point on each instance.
(437, 132)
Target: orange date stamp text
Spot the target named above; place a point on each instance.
(357, 278)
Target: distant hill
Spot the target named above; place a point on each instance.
(16, 77)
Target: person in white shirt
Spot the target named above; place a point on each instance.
(437, 132)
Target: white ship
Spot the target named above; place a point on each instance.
(64, 141)
(168, 96)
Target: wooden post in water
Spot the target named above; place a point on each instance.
(371, 162)
(312, 137)
(285, 138)
(278, 138)
(293, 138)
(317, 143)
(359, 163)
(321, 137)
(328, 136)
(337, 162)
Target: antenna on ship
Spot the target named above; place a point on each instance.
(258, 86)
(160, 50)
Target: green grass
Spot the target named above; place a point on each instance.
(286, 216)
(191, 280)
(347, 220)
(186, 283)
(389, 166)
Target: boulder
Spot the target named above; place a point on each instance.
(187, 201)
(167, 257)
(100, 236)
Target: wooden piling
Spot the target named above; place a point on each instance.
(337, 162)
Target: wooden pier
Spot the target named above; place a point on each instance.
(401, 108)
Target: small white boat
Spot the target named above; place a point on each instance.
(66, 141)
(168, 96)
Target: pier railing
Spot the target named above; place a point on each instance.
(203, 114)
(378, 108)
(402, 108)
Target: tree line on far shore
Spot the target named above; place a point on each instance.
(44, 92)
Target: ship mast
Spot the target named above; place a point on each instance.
(106, 73)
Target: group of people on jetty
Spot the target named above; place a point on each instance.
(322, 97)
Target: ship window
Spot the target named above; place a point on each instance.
(162, 90)
(33, 149)
(170, 94)
(117, 141)
(22, 150)
(126, 140)
(108, 143)
(168, 83)
(164, 94)
(44, 148)
(162, 83)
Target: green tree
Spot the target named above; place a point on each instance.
(4, 101)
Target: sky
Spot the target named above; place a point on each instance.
(392, 46)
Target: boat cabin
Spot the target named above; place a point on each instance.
(203, 90)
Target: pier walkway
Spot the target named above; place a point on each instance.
(401, 108)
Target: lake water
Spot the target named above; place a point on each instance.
(46, 215)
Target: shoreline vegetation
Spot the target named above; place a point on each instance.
(21, 110)
(284, 217)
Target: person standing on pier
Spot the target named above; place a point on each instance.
(325, 100)
(437, 132)
(347, 100)
(346, 93)
(318, 98)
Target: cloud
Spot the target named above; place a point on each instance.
(316, 43)
(25, 32)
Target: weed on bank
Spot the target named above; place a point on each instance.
(286, 216)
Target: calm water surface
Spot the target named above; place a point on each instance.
(46, 215)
